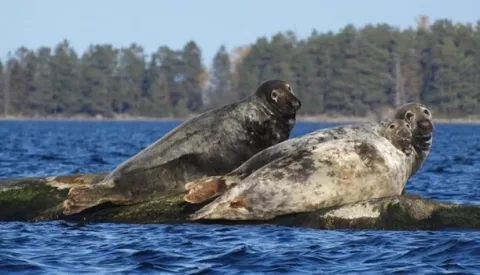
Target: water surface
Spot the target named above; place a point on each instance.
(44, 148)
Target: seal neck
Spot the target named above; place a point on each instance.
(268, 115)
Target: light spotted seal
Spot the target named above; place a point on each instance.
(416, 114)
(336, 172)
(211, 143)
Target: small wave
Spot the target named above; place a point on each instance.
(49, 157)
(98, 159)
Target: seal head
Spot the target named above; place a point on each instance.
(399, 133)
(279, 96)
(420, 119)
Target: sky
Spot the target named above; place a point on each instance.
(210, 23)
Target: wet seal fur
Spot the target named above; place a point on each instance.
(211, 143)
(337, 172)
(416, 114)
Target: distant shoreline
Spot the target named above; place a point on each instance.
(309, 119)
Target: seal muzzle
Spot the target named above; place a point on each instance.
(296, 104)
(425, 125)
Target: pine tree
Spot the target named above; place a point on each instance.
(220, 90)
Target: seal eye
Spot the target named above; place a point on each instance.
(288, 87)
(274, 95)
(426, 112)
(392, 126)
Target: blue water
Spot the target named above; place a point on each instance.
(35, 148)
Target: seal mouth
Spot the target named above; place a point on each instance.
(291, 109)
(405, 142)
(423, 135)
(423, 142)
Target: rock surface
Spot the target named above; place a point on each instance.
(40, 199)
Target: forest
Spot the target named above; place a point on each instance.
(354, 71)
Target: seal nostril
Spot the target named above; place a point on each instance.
(297, 104)
(405, 133)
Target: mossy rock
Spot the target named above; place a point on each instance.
(36, 202)
(41, 199)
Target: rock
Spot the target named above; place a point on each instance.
(40, 199)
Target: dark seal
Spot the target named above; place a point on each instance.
(211, 143)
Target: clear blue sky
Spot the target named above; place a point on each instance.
(151, 23)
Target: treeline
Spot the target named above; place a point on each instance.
(354, 72)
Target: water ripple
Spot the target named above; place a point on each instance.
(130, 249)
(451, 173)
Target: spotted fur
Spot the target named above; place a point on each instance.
(333, 173)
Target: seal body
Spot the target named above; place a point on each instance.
(337, 172)
(415, 114)
(211, 143)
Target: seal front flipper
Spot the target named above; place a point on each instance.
(83, 197)
(207, 188)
